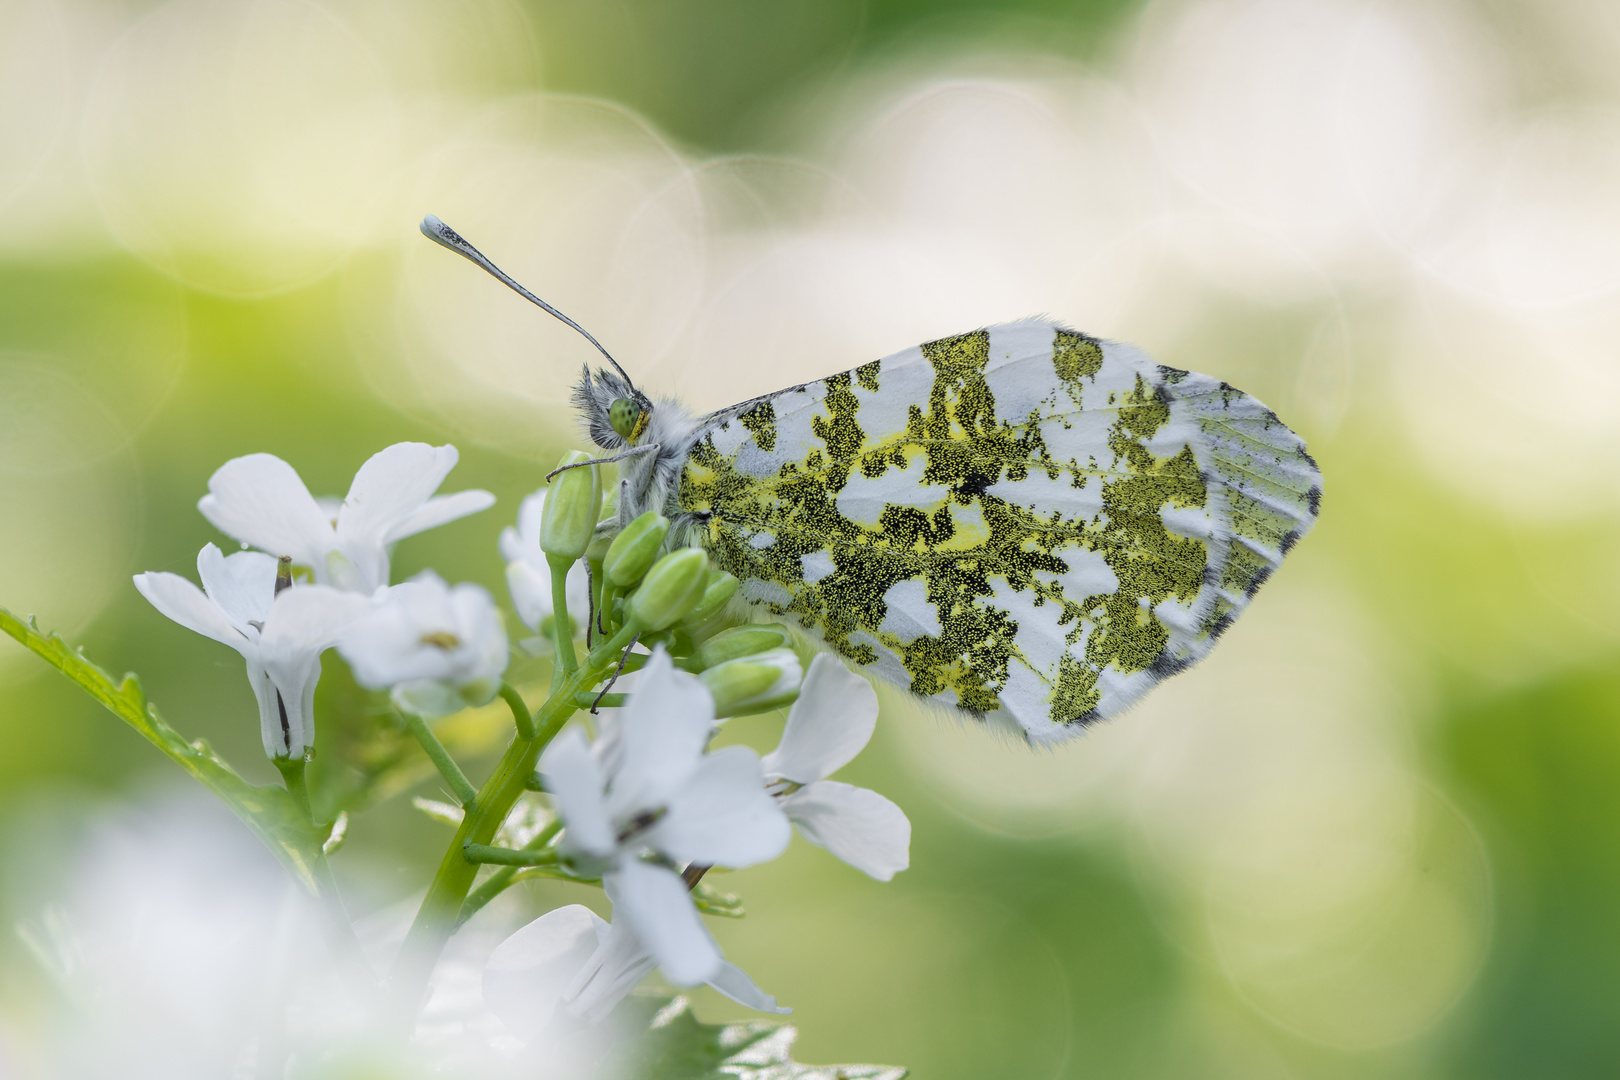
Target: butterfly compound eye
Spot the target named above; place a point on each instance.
(624, 414)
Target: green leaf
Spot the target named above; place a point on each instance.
(269, 811)
(676, 1046)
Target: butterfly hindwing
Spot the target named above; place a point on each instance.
(1023, 522)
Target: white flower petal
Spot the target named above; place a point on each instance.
(613, 970)
(530, 513)
(242, 585)
(523, 542)
(662, 731)
(392, 485)
(859, 826)
(186, 604)
(528, 972)
(577, 591)
(531, 592)
(655, 903)
(530, 586)
(511, 547)
(484, 653)
(294, 680)
(302, 623)
(427, 698)
(723, 816)
(259, 500)
(441, 510)
(385, 647)
(734, 982)
(829, 724)
(277, 741)
(424, 630)
(570, 774)
(309, 618)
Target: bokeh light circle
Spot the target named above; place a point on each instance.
(240, 145)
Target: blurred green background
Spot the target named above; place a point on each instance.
(1376, 834)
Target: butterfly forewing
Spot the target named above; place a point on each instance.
(1022, 522)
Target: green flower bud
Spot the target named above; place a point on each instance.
(670, 589)
(717, 593)
(608, 517)
(754, 683)
(569, 519)
(634, 549)
(742, 641)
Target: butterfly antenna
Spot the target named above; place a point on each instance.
(445, 236)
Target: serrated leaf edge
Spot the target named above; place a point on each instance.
(268, 811)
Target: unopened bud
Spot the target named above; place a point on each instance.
(634, 549)
(742, 641)
(754, 683)
(717, 593)
(670, 589)
(572, 506)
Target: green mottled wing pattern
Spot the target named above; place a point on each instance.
(1024, 522)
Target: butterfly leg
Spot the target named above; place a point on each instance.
(616, 673)
(634, 451)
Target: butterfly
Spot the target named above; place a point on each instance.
(1024, 523)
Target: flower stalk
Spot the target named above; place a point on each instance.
(440, 912)
(561, 625)
(460, 786)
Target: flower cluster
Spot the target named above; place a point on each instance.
(638, 802)
(651, 809)
(280, 626)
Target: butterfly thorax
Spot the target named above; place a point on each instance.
(663, 432)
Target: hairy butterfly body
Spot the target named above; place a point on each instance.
(1024, 523)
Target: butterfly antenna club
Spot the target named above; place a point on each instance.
(445, 236)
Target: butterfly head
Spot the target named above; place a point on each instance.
(616, 414)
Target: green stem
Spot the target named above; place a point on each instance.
(351, 958)
(561, 627)
(465, 793)
(497, 882)
(505, 856)
(292, 774)
(520, 710)
(589, 700)
(437, 918)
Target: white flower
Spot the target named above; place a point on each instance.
(439, 649)
(571, 958)
(830, 723)
(528, 575)
(647, 786)
(280, 637)
(259, 500)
